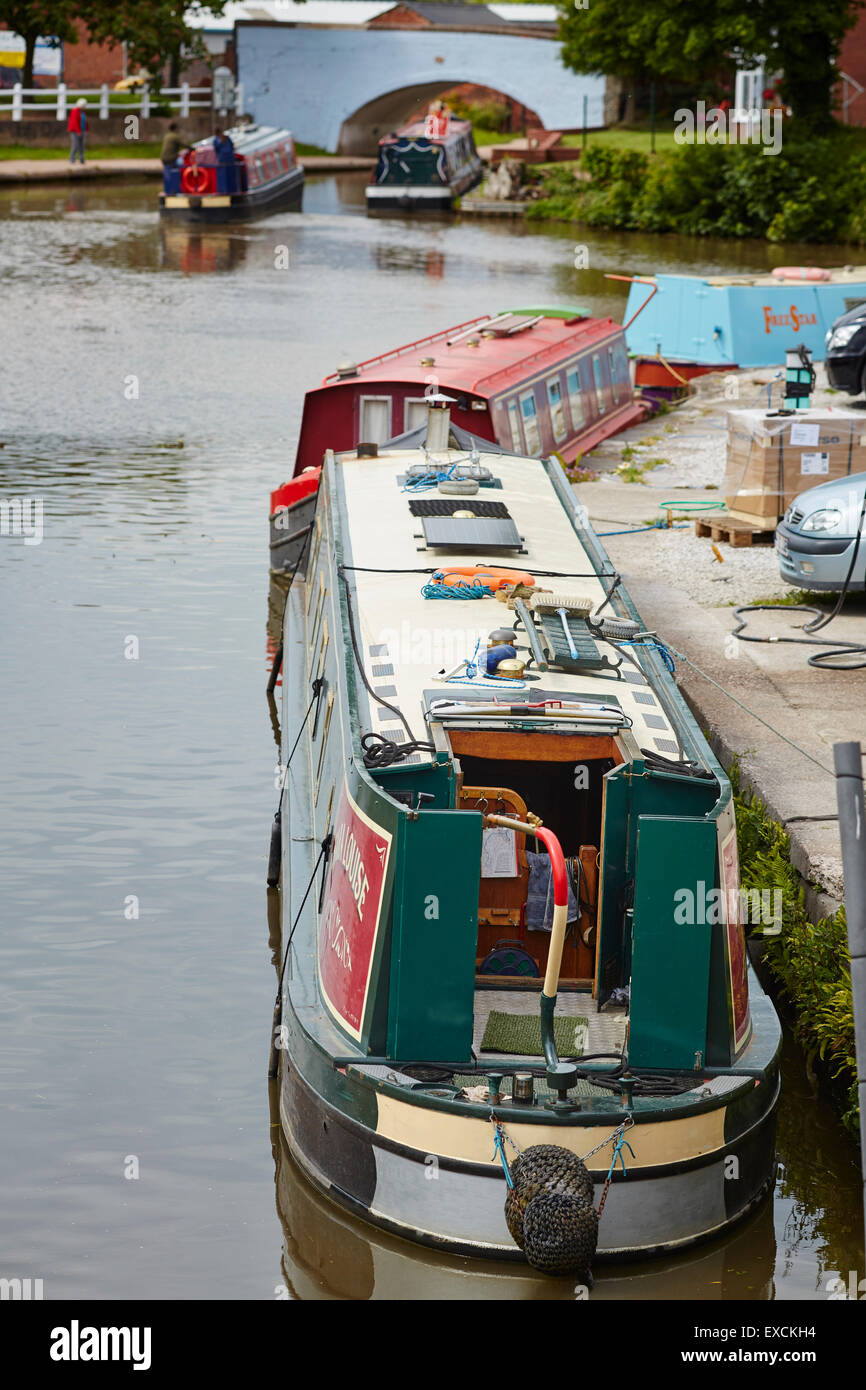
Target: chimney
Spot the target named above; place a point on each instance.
(438, 423)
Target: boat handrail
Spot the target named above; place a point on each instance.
(557, 934)
(441, 336)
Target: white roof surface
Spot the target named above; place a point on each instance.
(406, 638)
(349, 12)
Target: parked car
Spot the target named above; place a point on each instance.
(815, 540)
(133, 83)
(846, 351)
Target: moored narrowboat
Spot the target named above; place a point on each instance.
(684, 325)
(424, 166)
(510, 905)
(534, 381)
(255, 175)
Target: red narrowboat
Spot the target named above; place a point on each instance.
(535, 381)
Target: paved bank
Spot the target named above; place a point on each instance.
(688, 596)
(61, 171)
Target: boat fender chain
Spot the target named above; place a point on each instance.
(620, 1143)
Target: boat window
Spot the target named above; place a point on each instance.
(557, 414)
(414, 412)
(575, 399)
(599, 383)
(619, 372)
(529, 415)
(375, 419)
(616, 373)
(514, 422)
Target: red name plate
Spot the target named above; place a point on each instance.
(351, 912)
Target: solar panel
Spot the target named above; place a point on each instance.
(447, 506)
(471, 533)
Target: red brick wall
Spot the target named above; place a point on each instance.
(852, 60)
(87, 64)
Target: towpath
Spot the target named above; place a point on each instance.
(685, 593)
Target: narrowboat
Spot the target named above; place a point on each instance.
(510, 904)
(424, 166)
(535, 381)
(262, 178)
(680, 326)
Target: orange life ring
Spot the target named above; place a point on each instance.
(801, 272)
(481, 574)
(195, 179)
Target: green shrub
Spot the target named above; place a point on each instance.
(812, 190)
(810, 962)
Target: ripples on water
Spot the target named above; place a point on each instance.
(153, 779)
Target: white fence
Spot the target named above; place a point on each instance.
(181, 99)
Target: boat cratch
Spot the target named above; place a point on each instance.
(424, 166)
(261, 178)
(494, 801)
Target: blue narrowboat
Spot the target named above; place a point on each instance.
(258, 174)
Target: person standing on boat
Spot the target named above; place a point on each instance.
(77, 128)
(225, 150)
(171, 146)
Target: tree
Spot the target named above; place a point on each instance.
(33, 19)
(155, 33)
(680, 41)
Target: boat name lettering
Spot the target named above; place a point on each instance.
(349, 855)
(793, 319)
(335, 934)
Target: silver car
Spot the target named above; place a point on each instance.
(815, 540)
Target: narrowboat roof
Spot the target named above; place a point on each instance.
(406, 638)
(250, 139)
(487, 354)
(415, 130)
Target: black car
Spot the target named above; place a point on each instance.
(846, 351)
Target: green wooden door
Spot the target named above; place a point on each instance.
(671, 937)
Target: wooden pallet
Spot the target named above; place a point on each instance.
(731, 529)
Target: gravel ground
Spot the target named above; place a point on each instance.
(693, 441)
(685, 562)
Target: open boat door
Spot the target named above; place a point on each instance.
(659, 841)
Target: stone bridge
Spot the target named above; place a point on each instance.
(343, 86)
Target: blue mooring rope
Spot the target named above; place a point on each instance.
(618, 1147)
(456, 591)
(499, 1148)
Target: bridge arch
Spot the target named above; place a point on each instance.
(360, 132)
(319, 81)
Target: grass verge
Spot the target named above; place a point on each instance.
(810, 963)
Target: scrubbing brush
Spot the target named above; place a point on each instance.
(563, 605)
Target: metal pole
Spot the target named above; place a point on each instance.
(585, 100)
(653, 117)
(852, 833)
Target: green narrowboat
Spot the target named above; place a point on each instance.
(511, 913)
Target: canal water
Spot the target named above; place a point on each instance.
(150, 394)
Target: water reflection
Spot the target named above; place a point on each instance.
(194, 251)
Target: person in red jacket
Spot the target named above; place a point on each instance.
(77, 127)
